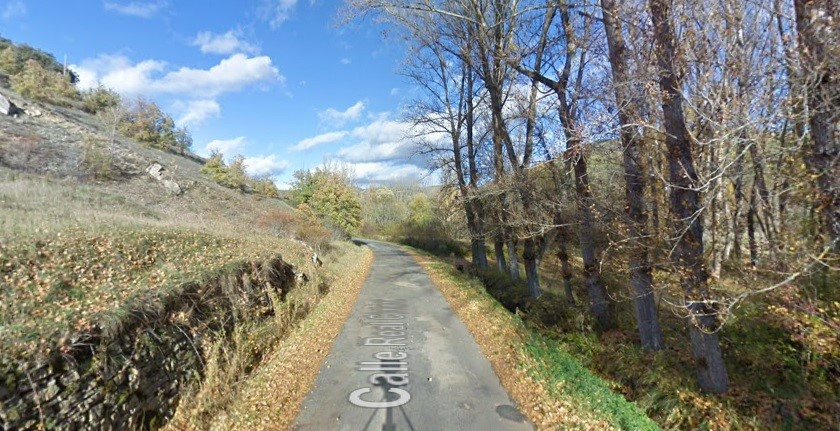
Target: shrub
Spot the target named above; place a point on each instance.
(301, 224)
(146, 123)
(281, 222)
(99, 99)
(97, 161)
(314, 234)
(381, 208)
(266, 187)
(8, 62)
(24, 53)
(426, 229)
(329, 194)
(43, 85)
(235, 177)
(215, 167)
(183, 139)
(431, 237)
(225, 175)
(13, 59)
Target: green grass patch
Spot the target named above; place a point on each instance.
(566, 377)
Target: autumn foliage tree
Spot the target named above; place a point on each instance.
(330, 194)
(145, 122)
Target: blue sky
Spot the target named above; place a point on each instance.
(281, 82)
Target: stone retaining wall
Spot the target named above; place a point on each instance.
(130, 376)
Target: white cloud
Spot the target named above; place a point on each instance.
(231, 74)
(385, 151)
(225, 43)
(367, 173)
(381, 140)
(265, 165)
(139, 9)
(147, 77)
(383, 130)
(118, 73)
(395, 91)
(336, 118)
(345, 61)
(227, 147)
(367, 152)
(276, 12)
(324, 138)
(14, 9)
(196, 111)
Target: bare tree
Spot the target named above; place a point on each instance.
(818, 27)
(635, 177)
(568, 97)
(686, 207)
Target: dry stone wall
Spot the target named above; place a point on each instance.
(130, 376)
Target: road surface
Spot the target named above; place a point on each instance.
(404, 361)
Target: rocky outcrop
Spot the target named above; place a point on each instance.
(156, 171)
(7, 107)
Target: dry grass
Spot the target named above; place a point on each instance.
(87, 278)
(72, 252)
(269, 398)
(81, 245)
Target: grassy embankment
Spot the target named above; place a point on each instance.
(89, 241)
(553, 389)
(269, 395)
(74, 255)
(782, 358)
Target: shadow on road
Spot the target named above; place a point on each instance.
(389, 424)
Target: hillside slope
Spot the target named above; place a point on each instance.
(45, 159)
(110, 283)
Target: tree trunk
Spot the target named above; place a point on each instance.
(529, 255)
(474, 224)
(598, 297)
(563, 255)
(513, 261)
(597, 291)
(738, 186)
(647, 318)
(751, 231)
(499, 249)
(718, 222)
(818, 25)
(764, 199)
(685, 202)
(479, 252)
(796, 109)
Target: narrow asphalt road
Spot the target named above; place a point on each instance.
(404, 361)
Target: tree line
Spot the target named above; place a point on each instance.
(681, 140)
